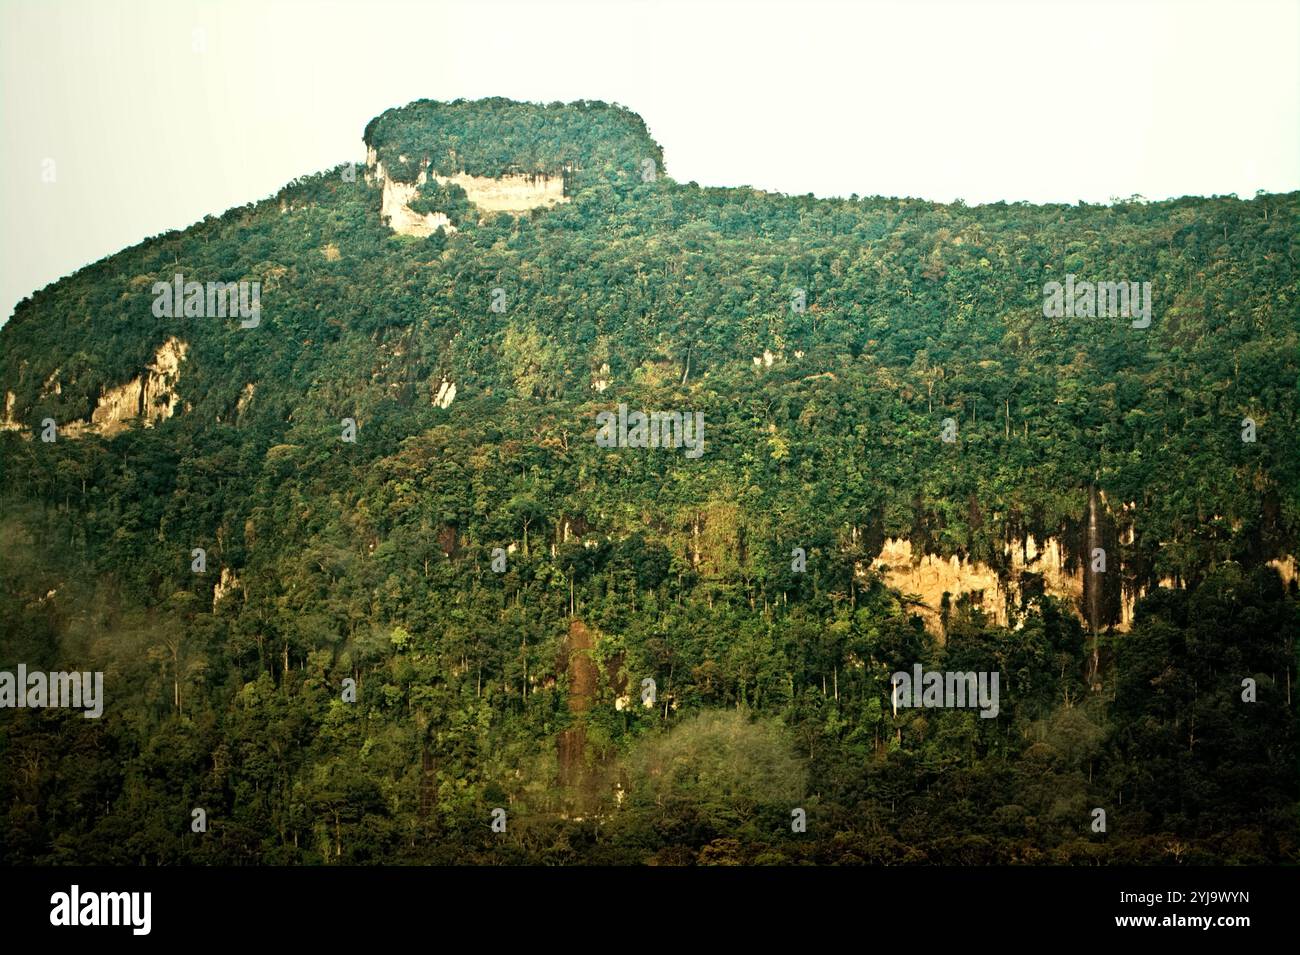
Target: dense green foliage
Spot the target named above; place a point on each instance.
(371, 560)
(496, 137)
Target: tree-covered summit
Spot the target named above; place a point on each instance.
(496, 137)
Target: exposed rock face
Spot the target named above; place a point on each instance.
(7, 423)
(930, 576)
(511, 193)
(1286, 566)
(446, 394)
(395, 206)
(517, 193)
(117, 406)
(245, 397)
(152, 396)
(227, 585)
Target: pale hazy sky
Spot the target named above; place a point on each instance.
(1041, 101)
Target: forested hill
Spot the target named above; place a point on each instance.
(866, 370)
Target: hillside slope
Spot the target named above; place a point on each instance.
(878, 387)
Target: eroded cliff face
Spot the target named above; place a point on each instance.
(930, 576)
(511, 193)
(150, 397)
(226, 586)
(395, 206)
(7, 422)
(245, 399)
(446, 394)
(518, 193)
(1287, 567)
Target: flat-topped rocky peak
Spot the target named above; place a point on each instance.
(441, 164)
(496, 138)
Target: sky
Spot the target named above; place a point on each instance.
(123, 119)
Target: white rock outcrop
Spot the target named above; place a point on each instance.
(513, 193)
(931, 576)
(510, 193)
(151, 396)
(1286, 566)
(226, 586)
(395, 208)
(7, 423)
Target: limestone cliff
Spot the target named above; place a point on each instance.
(7, 422)
(150, 396)
(509, 193)
(999, 594)
(396, 198)
(930, 576)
